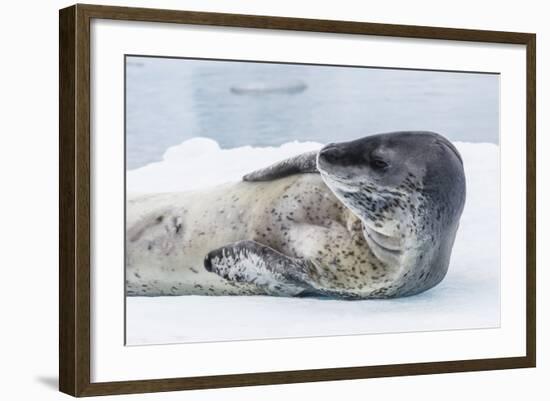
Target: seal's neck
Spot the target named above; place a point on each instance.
(388, 249)
(392, 223)
(393, 220)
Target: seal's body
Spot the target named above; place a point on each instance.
(169, 235)
(378, 221)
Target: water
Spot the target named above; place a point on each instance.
(171, 100)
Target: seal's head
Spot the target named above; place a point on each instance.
(408, 188)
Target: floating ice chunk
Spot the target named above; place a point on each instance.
(468, 297)
(200, 163)
(264, 88)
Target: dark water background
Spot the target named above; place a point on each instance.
(171, 100)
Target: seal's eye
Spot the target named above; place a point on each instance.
(379, 164)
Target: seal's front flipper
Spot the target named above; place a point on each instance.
(304, 163)
(252, 262)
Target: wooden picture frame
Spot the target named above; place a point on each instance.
(75, 207)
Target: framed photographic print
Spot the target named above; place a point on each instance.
(250, 200)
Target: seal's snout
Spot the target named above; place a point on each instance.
(332, 154)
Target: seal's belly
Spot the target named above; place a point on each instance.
(169, 235)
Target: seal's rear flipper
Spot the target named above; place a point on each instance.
(252, 262)
(304, 163)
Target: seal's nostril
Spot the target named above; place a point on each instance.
(331, 153)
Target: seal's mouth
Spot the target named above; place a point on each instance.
(337, 182)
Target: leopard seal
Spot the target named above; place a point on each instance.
(370, 218)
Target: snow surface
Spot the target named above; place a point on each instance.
(468, 297)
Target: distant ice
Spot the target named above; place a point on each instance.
(265, 88)
(469, 296)
(200, 163)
